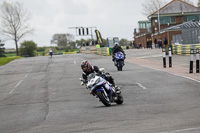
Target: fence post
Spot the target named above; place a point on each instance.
(170, 56)
(164, 58)
(191, 60)
(197, 60)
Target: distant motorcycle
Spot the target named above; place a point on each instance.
(119, 60)
(103, 90)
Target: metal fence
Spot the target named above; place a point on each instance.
(190, 33)
(190, 36)
(177, 39)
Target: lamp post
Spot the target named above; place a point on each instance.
(159, 19)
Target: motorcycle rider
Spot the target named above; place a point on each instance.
(50, 52)
(88, 69)
(117, 48)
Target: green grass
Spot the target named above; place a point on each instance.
(40, 53)
(9, 55)
(5, 60)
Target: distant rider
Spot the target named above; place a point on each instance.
(88, 69)
(117, 48)
(50, 52)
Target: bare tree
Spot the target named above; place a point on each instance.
(14, 22)
(151, 6)
(62, 40)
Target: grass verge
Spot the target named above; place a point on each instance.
(5, 60)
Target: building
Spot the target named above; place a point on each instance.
(174, 13)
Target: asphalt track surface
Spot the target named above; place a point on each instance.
(43, 95)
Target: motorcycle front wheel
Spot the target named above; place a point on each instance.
(119, 65)
(104, 99)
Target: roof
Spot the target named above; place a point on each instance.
(176, 6)
(143, 21)
(186, 25)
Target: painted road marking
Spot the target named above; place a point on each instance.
(26, 75)
(172, 73)
(74, 62)
(151, 56)
(20, 82)
(140, 85)
(181, 130)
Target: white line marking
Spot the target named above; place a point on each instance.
(151, 56)
(74, 62)
(26, 75)
(11, 91)
(18, 83)
(16, 86)
(181, 130)
(140, 85)
(172, 73)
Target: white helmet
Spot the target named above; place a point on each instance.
(116, 43)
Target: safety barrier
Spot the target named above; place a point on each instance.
(100, 51)
(184, 49)
(103, 51)
(88, 49)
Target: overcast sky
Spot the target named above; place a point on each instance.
(113, 18)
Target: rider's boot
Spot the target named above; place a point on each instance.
(117, 89)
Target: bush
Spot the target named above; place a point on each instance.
(28, 48)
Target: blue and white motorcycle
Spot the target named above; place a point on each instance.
(103, 90)
(119, 60)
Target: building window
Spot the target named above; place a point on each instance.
(184, 18)
(167, 20)
(164, 20)
(143, 25)
(191, 17)
(173, 20)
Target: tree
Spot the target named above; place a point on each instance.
(62, 40)
(198, 4)
(14, 22)
(123, 42)
(28, 48)
(151, 6)
(2, 49)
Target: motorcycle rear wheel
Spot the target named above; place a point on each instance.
(105, 100)
(120, 99)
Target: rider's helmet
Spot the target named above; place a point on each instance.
(86, 67)
(116, 44)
